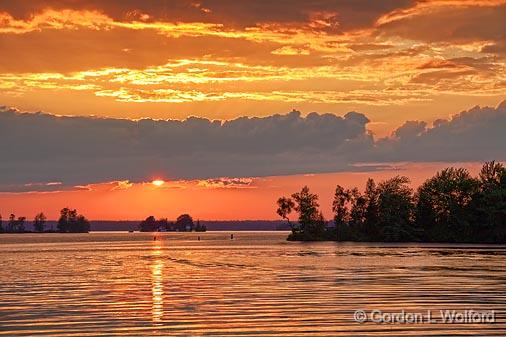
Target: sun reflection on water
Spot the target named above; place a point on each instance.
(257, 285)
(157, 282)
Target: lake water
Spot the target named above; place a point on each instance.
(258, 284)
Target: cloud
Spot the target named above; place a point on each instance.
(448, 21)
(401, 52)
(39, 149)
(410, 129)
(289, 50)
(354, 14)
(225, 182)
(498, 48)
(201, 80)
(473, 135)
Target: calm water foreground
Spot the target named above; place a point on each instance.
(258, 284)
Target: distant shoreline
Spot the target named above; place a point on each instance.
(212, 225)
(167, 232)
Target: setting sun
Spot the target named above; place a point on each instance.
(158, 182)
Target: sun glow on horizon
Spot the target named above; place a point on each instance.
(158, 182)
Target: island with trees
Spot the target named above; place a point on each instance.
(183, 223)
(70, 221)
(451, 206)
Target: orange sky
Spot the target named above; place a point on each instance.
(393, 61)
(255, 199)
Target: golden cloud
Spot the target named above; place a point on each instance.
(312, 61)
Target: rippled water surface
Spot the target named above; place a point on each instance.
(258, 284)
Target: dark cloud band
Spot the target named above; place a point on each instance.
(46, 152)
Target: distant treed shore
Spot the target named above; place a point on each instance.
(183, 223)
(69, 222)
(50, 226)
(129, 225)
(72, 222)
(451, 206)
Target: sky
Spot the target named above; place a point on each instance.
(234, 103)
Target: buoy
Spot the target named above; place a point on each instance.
(231, 236)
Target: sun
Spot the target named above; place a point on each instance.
(158, 182)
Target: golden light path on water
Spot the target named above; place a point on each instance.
(258, 284)
(157, 287)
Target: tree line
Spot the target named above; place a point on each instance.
(183, 223)
(451, 206)
(68, 222)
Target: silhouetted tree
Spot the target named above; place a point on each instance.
(39, 221)
(451, 206)
(149, 224)
(382, 213)
(339, 207)
(306, 205)
(395, 210)
(358, 210)
(285, 207)
(16, 225)
(184, 223)
(371, 227)
(21, 224)
(11, 224)
(443, 205)
(67, 216)
(316, 228)
(163, 224)
(81, 226)
(489, 204)
(341, 212)
(72, 222)
(312, 224)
